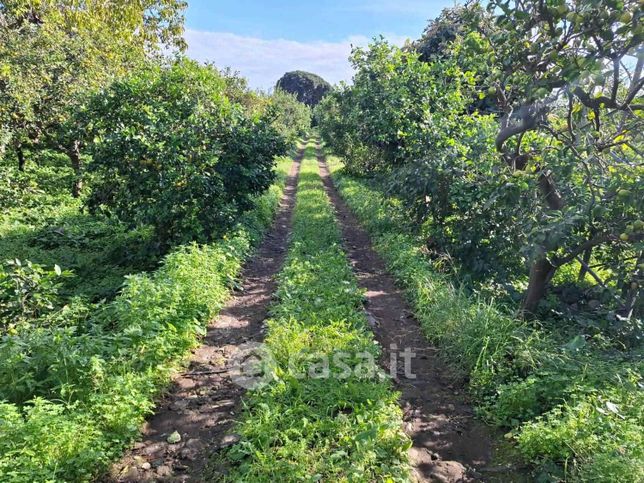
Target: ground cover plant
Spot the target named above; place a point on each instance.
(42, 222)
(326, 428)
(570, 402)
(77, 383)
(508, 140)
(173, 151)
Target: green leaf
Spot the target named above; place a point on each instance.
(578, 342)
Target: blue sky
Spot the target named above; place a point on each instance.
(264, 39)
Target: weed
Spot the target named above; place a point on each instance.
(574, 406)
(77, 388)
(319, 429)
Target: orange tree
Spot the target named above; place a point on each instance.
(547, 175)
(54, 53)
(171, 150)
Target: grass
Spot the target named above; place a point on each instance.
(40, 221)
(574, 408)
(309, 427)
(74, 393)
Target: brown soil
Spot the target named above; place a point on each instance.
(449, 444)
(203, 401)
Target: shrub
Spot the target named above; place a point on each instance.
(172, 151)
(499, 132)
(574, 406)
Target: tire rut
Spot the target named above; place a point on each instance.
(449, 444)
(203, 401)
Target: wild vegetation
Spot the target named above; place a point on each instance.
(306, 423)
(511, 137)
(496, 162)
(77, 379)
(132, 188)
(569, 400)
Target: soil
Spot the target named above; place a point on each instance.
(202, 404)
(449, 444)
(194, 420)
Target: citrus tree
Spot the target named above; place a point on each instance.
(514, 134)
(292, 117)
(171, 150)
(567, 80)
(53, 53)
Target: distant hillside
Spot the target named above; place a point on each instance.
(309, 88)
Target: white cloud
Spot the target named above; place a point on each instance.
(407, 7)
(264, 61)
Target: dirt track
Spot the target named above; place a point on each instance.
(449, 445)
(203, 401)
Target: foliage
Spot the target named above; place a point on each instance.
(299, 428)
(292, 118)
(42, 222)
(289, 116)
(582, 63)
(465, 22)
(453, 23)
(440, 162)
(27, 291)
(173, 152)
(15, 188)
(309, 88)
(54, 53)
(550, 178)
(572, 401)
(76, 390)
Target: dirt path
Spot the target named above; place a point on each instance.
(203, 401)
(449, 445)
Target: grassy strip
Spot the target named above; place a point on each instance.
(575, 410)
(104, 373)
(316, 428)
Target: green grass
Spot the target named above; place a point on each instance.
(76, 392)
(310, 428)
(575, 408)
(40, 221)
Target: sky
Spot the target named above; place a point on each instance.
(263, 39)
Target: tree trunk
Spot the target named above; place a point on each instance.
(74, 155)
(549, 191)
(583, 271)
(542, 270)
(541, 273)
(527, 118)
(21, 158)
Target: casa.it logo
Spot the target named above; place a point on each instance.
(252, 366)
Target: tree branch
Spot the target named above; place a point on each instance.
(574, 253)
